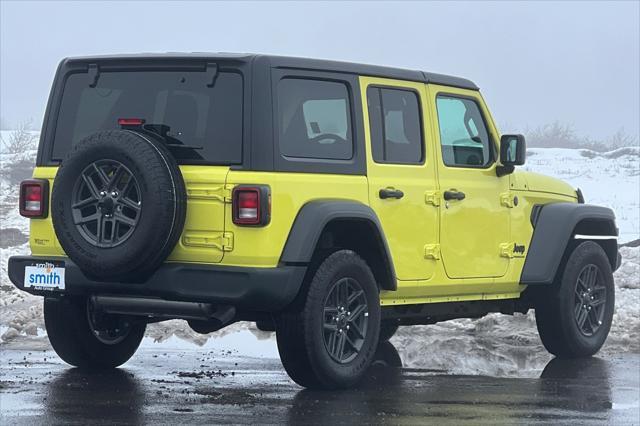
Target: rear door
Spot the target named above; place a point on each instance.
(474, 223)
(402, 181)
(198, 108)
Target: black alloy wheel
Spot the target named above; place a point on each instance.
(106, 203)
(590, 300)
(346, 318)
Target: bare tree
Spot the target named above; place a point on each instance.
(622, 139)
(552, 135)
(20, 140)
(560, 135)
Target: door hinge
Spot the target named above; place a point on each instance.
(222, 241)
(432, 197)
(511, 250)
(227, 241)
(432, 251)
(220, 193)
(509, 200)
(506, 250)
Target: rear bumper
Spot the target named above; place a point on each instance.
(246, 289)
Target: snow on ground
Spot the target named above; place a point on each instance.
(493, 345)
(610, 179)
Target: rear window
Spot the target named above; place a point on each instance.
(207, 120)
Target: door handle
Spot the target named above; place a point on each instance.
(453, 195)
(390, 193)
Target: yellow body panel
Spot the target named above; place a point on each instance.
(262, 246)
(42, 238)
(442, 252)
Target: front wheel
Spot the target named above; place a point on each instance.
(86, 338)
(330, 340)
(575, 317)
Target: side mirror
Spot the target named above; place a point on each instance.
(513, 151)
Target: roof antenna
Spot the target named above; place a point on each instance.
(212, 74)
(94, 73)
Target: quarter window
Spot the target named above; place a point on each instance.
(464, 137)
(314, 119)
(395, 125)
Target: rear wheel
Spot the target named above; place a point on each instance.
(86, 338)
(330, 340)
(388, 329)
(575, 317)
(387, 356)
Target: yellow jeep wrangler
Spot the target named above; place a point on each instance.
(331, 202)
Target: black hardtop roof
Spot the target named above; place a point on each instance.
(291, 62)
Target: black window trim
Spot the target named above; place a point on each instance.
(492, 151)
(423, 154)
(66, 70)
(356, 165)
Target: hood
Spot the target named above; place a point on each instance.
(543, 183)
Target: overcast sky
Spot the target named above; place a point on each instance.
(574, 62)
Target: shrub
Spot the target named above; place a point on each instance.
(560, 135)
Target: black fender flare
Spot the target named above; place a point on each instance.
(555, 227)
(311, 221)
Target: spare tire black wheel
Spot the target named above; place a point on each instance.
(118, 205)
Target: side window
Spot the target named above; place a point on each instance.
(395, 125)
(314, 119)
(464, 137)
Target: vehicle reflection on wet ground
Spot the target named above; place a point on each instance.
(163, 386)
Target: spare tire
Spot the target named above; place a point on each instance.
(118, 205)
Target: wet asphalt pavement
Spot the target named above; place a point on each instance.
(161, 386)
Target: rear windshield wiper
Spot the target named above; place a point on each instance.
(161, 130)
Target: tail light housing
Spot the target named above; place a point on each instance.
(251, 205)
(34, 198)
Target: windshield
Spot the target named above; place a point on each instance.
(206, 119)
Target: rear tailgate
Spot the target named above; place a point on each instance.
(196, 104)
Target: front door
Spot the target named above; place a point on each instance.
(474, 225)
(401, 174)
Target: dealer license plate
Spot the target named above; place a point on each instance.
(45, 276)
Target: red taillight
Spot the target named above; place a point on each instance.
(130, 121)
(33, 198)
(251, 205)
(248, 205)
